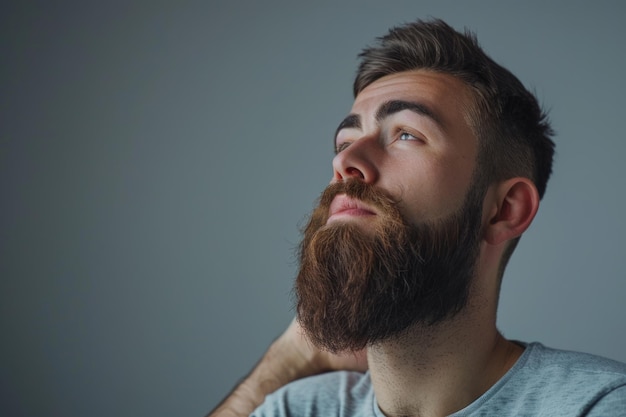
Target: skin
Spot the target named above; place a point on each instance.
(424, 156)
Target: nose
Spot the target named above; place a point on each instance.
(357, 161)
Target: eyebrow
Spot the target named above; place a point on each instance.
(352, 121)
(395, 106)
(389, 108)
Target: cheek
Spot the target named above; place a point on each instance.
(456, 174)
(430, 191)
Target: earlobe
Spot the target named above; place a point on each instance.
(513, 210)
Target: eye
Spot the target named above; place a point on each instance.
(407, 136)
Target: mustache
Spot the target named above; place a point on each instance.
(359, 190)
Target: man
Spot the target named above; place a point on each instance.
(439, 169)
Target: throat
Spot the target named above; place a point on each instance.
(435, 375)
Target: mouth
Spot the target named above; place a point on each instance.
(344, 207)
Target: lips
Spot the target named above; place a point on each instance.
(344, 206)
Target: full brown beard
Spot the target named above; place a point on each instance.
(356, 286)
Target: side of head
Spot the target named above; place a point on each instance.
(513, 132)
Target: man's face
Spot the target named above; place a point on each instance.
(408, 134)
(395, 238)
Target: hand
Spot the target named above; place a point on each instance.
(292, 356)
(312, 360)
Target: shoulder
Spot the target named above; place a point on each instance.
(559, 382)
(345, 393)
(562, 364)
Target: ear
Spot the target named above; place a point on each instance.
(511, 208)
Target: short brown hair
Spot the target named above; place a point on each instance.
(513, 131)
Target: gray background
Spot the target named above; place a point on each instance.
(157, 159)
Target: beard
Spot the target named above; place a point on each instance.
(359, 284)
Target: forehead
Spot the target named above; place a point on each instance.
(449, 97)
(448, 100)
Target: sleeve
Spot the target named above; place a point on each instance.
(271, 407)
(344, 394)
(308, 397)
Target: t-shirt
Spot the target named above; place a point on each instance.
(543, 382)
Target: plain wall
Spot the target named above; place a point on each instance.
(157, 159)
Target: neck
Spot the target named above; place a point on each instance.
(437, 370)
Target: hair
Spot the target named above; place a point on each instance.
(513, 132)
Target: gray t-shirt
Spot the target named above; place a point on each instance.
(543, 382)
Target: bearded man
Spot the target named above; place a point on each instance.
(439, 169)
